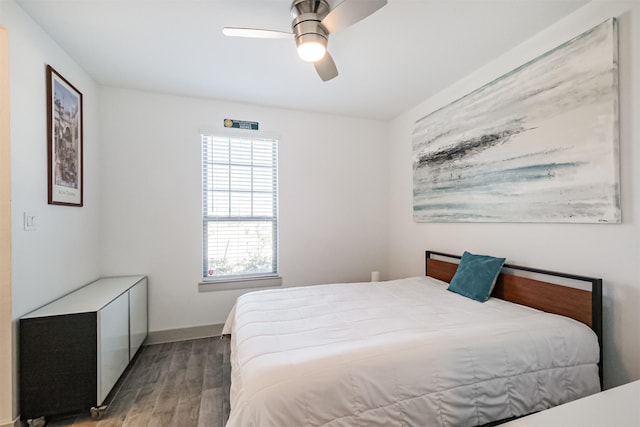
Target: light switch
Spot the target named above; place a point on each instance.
(30, 221)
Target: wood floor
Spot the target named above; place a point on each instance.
(178, 384)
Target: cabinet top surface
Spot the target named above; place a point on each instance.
(89, 298)
(614, 407)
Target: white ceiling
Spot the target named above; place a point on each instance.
(388, 63)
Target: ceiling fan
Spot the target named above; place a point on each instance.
(313, 21)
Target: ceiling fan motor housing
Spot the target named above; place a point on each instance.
(307, 16)
(319, 7)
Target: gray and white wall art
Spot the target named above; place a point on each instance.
(539, 144)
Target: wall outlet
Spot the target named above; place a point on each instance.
(30, 221)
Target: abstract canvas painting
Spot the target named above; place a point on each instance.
(539, 144)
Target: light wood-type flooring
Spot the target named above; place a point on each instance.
(179, 384)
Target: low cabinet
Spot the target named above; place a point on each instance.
(74, 350)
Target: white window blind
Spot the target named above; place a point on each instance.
(239, 207)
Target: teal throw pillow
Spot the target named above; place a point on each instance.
(476, 276)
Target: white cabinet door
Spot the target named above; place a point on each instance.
(113, 344)
(138, 315)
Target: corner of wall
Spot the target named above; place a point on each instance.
(8, 399)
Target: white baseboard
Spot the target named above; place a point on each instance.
(171, 335)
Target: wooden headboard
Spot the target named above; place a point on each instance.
(582, 305)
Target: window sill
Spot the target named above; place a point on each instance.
(247, 283)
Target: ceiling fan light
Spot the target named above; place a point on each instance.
(311, 51)
(312, 46)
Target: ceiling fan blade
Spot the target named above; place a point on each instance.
(326, 68)
(349, 12)
(255, 33)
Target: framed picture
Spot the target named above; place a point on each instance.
(64, 141)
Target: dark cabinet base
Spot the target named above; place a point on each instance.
(58, 364)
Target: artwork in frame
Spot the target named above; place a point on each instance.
(64, 141)
(539, 144)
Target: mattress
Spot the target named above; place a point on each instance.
(399, 353)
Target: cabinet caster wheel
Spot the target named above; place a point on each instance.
(98, 412)
(36, 422)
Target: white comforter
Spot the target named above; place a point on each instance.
(399, 353)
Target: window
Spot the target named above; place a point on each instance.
(239, 208)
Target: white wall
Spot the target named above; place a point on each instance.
(6, 324)
(63, 254)
(333, 197)
(608, 251)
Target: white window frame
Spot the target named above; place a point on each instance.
(247, 280)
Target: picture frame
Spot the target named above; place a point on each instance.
(65, 165)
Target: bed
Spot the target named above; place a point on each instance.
(409, 353)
